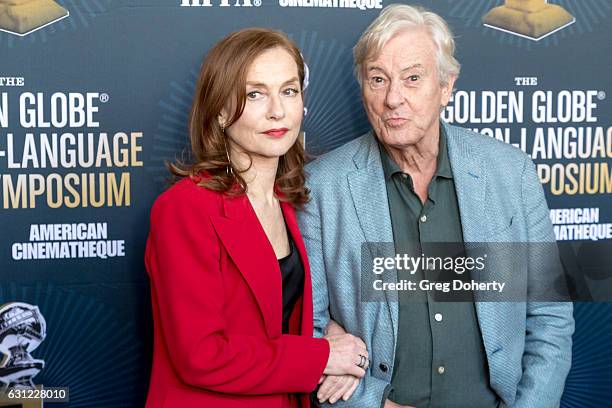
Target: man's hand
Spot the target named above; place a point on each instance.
(335, 387)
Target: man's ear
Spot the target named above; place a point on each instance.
(447, 90)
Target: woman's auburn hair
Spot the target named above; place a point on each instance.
(222, 79)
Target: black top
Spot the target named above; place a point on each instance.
(292, 272)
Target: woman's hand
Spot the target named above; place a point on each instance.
(335, 387)
(333, 328)
(348, 355)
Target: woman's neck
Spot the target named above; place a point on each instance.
(260, 176)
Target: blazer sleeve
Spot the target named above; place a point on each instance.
(550, 325)
(371, 391)
(310, 226)
(183, 261)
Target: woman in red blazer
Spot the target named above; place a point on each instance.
(230, 282)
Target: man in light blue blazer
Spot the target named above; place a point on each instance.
(416, 179)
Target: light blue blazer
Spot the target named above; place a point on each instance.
(528, 344)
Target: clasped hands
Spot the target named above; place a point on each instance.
(347, 364)
(343, 372)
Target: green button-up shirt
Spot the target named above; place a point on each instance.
(440, 359)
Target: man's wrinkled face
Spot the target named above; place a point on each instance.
(401, 89)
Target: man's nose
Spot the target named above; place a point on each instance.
(394, 96)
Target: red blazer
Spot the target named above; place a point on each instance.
(217, 307)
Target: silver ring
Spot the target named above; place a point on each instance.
(362, 361)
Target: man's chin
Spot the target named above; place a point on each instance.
(400, 137)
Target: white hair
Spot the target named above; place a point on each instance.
(398, 17)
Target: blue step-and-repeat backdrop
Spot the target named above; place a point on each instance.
(95, 97)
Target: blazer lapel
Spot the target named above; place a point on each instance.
(247, 244)
(470, 185)
(369, 194)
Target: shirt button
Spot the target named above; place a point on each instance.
(423, 218)
(441, 370)
(383, 367)
(438, 317)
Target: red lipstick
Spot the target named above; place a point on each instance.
(276, 132)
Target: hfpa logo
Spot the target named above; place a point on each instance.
(222, 3)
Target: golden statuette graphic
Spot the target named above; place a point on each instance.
(533, 19)
(21, 17)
